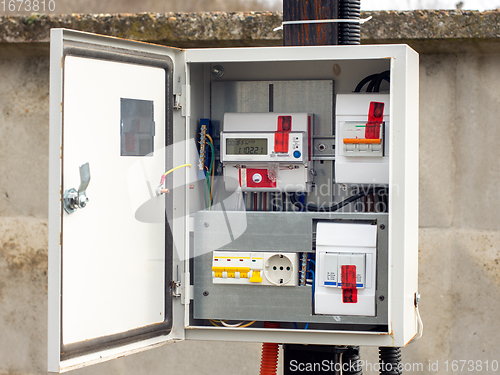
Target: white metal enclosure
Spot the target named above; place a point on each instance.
(132, 270)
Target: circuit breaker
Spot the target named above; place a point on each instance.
(361, 148)
(253, 186)
(346, 259)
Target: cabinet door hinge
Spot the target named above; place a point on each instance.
(176, 288)
(177, 101)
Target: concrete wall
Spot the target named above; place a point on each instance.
(459, 218)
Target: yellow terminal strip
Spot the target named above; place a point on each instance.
(218, 271)
(231, 271)
(256, 278)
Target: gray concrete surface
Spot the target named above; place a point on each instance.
(459, 208)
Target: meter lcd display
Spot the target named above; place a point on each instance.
(246, 146)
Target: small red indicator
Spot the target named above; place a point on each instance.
(262, 182)
(375, 120)
(349, 291)
(281, 136)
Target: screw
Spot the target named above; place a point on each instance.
(381, 298)
(322, 147)
(336, 69)
(417, 299)
(205, 293)
(205, 224)
(382, 226)
(218, 71)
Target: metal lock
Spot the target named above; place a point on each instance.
(73, 199)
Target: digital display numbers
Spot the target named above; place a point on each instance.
(246, 146)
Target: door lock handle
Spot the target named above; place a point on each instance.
(73, 199)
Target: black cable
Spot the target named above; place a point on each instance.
(384, 75)
(351, 361)
(375, 81)
(335, 207)
(364, 81)
(390, 361)
(349, 33)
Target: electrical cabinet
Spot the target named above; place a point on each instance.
(198, 194)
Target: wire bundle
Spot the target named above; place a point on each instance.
(375, 80)
(209, 176)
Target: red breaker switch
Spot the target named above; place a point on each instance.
(349, 291)
(281, 136)
(375, 120)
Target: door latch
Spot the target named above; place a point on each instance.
(73, 199)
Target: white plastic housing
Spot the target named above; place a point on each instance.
(345, 244)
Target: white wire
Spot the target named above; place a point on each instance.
(231, 325)
(420, 330)
(420, 324)
(341, 364)
(300, 22)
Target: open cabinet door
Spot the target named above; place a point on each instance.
(110, 250)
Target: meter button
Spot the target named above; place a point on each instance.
(257, 178)
(296, 154)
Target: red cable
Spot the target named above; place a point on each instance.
(269, 359)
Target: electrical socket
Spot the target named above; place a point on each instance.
(281, 269)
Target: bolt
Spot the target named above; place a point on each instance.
(381, 298)
(382, 226)
(205, 293)
(83, 201)
(206, 225)
(218, 71)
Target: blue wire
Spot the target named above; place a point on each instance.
(312, 284)
(295, 325)
(307, 325)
